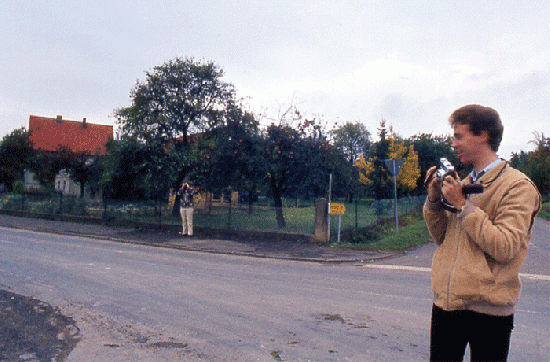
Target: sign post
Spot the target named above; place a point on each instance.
(337, 209)
(329, 200)
(393, 165)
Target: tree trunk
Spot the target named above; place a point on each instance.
(251, 197)
(278, 200)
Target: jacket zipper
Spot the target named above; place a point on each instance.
(454, 265)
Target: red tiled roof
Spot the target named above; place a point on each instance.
(47, 134)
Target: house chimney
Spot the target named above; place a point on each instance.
(59, 119)
(84, 125)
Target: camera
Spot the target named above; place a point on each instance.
(444, 169)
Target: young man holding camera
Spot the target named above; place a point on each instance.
(482, 242)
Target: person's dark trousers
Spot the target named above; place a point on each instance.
(488, 336)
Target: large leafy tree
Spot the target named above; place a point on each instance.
(409, 173)
(372, 170)
(16, 153)
(323, 158)
(283, 154)
(46, 165)
(355, 141)
(87, 170)
(241, 151)
(229, 156)
(123, 175)
(135, 170)
(430, 149)
(299, 160)
(540, 160)
(177, 97)
(536, 164)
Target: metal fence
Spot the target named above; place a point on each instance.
(299, 214)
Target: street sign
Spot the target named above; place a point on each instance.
(393, 165)
(337, 209)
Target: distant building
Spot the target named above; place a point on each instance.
(48, 134)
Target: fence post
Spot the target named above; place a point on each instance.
(104, 210)
(356, 217)
(321, 220)
(60, 203)
(229, 213)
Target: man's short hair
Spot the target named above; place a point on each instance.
(480, 118)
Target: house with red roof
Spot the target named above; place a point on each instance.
(79, 136)
(48, 134)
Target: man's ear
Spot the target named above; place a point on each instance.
(485, 136)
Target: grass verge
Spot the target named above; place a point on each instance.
(545, 212)
(412, 232)
(408, 236)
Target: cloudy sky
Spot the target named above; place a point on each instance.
(409, 62)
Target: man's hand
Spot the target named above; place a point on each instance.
(452, 192)
(433, 185)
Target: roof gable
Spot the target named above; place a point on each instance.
(50, 133)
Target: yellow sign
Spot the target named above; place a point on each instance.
(337, 209)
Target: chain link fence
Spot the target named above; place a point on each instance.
(299, 214)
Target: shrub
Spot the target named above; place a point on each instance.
(18, 187)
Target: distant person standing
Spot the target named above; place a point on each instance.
(185, 195)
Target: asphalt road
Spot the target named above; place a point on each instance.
(137, 303)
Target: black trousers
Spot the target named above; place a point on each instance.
(488, 336)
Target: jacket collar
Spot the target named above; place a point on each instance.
(475, 177)
(492, 174)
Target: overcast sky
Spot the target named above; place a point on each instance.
(409, 62)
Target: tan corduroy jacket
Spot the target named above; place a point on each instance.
(482, 248)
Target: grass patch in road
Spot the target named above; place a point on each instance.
(167, 345)
(334, 317)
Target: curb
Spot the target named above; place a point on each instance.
(169, 245)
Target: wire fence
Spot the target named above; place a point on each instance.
(299, 214)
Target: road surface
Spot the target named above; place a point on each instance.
(137, 303)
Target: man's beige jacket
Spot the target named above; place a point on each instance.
(482, 248)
